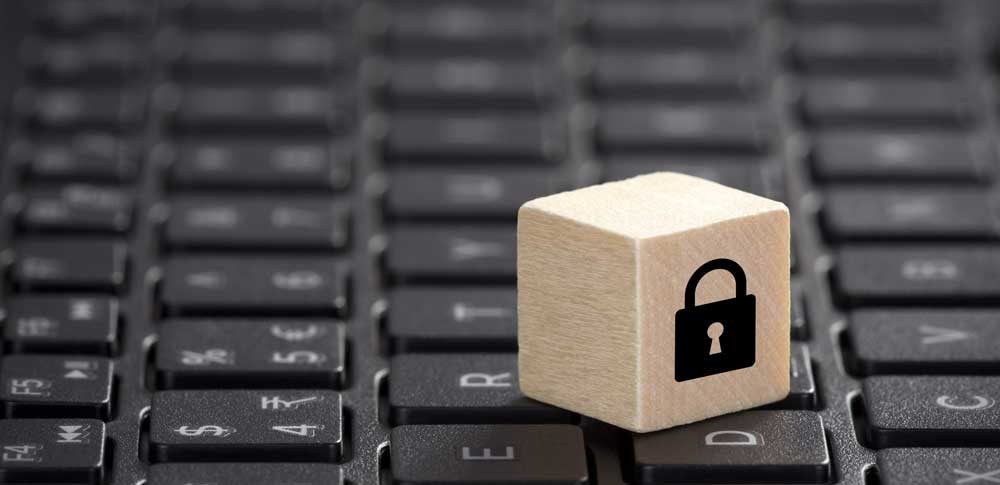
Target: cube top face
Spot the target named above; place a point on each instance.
(607, 326)
(653, 205)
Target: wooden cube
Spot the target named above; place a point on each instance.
(629, 305)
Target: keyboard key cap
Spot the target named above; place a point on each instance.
(897, 103)
(914, 157)
(48, 386)
(457, 27)
(77, 208)
(100, 57)
(729, 128)
(932, 466)
(69, 264)
(250, 354)
(877, 274)
(925, 341)
(867, 11)
(79, 109)
(450, 193)
(255, 164)
(802, 394)
(799, 319)
(552, 454)
(81, 324)
(452, 319)
(286, 54)
(463, 389)
(244, 473)
(847, 48)
(619, 72)
(908, 213)
(449, 253)
(467, 82)
(256, 223)
(52, 451)
(300, 285)
(932, 411)
(289, 108)
(287, 14)
(84, 157)
(704, 23)
(283, 426)
(494, 137)
(748, 174)
(81, 16)
(787, 446)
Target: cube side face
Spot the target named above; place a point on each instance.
(577, 317)
(750, 366)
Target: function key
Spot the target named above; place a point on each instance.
(552, 454)
(455, 193)
(261, 164)
(452, 319)
(932, 411)
(929, 341)
(63, 324)
(717, 23)
(69, 264)
(87, 156)
(463, 389)
(52, 451)
(259, 223)
(79, 109)
(941, 274)
(250, 354)
(909, 213)
(449, 253)
(288, 426)
(494, 137)
(787, 446)
(911, 156)
(903, 102)
(45, 386)
(291, 108)
(736, 127)
(933, 466)
(244, 473)
(77, 208)
(220, 285)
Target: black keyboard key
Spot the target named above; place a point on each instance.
(62, 324)
(799, 318)
(925, 341)
(900, 103)
(449, 253)
(256, 223)
(282, 426)
(455, 193)
(69, 264)
(463, 389)
(244, 473)
(88, 156)
(102, 57)
(290, 108)
(766, 446)
(619, 72)
(467, 82)
(79, 109)
(77, 208)
(878, 274)
(260, 15)
(454, 319)
(253, 164)
(933, 466)
(908, 213)
(551, 454)
(802, 392)
(254, 285)
(915, 157)
(250, 354)
(495, 137)
(82, 16)
(289, 54)
(736, 127)
(459, 27)
(48, 386)
(894, 49)
(720, 23)
(886, 12)
(52, 451)
(748, 174)
(932, 411)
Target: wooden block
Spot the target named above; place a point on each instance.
(602, 274)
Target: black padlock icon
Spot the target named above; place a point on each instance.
(715, 337)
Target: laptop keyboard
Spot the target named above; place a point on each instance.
(273, 242)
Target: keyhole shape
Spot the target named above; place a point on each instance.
(714, 332)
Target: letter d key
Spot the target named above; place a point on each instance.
(715, 337)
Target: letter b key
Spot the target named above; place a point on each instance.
(715, 337)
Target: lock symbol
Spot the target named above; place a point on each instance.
(715, 337)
